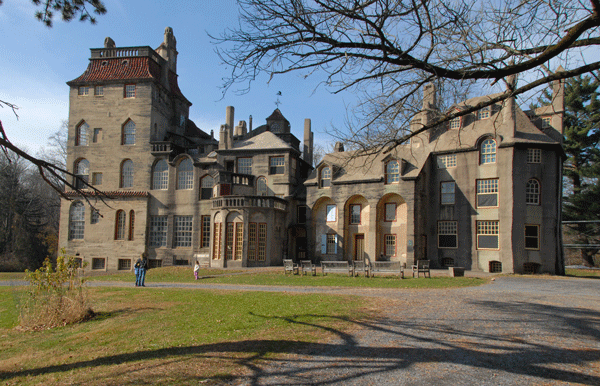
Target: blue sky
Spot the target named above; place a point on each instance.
(38, 61)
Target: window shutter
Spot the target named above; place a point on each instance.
(323, 244)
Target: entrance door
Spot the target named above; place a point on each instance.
(359, 247)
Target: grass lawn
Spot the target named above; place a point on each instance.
(589, 273)
(169, 336)
(277, 277)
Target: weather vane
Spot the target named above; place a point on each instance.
(278, 102)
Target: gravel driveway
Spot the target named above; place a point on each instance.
(513, 331)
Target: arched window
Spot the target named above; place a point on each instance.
(81, 137)
(131, 224)
(325, 177)
(129, 133)
(76, 220)
(185, 174)
(206, 187)
(488, 152)
(261, 186)
(532, 192)
(160, 175)
(82, 173)
(127, 174)
(120, 225)
(392, 172)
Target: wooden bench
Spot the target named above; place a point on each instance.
(359, 266)
(422, 266)
(395, 267)
(308, 266)
(336, 267)
(290, 266)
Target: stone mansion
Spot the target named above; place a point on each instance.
(482, 192)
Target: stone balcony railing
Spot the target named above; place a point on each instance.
(126, 52)
(249, 202)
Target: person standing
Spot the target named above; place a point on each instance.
(196, 269)
(143, 268)
(137, 269)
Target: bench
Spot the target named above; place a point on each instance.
(290, 266)
(422, 266)
(336, 267)
(308, 266)
(395, 267)
(359, 266)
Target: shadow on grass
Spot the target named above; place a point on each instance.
(399, 344)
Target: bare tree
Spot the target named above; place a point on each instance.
(389, 49)
(68, 9)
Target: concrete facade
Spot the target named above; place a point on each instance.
(155, 183)
(482, 192)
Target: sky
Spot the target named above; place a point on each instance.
(37, 61)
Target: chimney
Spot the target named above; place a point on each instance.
(339, 147)
(429, 102)
(250, 124)
(558, 104)
(223, 138)
(229, 113)
(308, 142)
(508, 108)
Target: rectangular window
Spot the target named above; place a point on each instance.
(217, 242)
(294, 163)
(252, 241)
(301, 214)
(158, 231)
(447, 234)
(390, 212)
(129, 91)
(534, 156)
(331, 244)
(83, 90)
(262, 241)
(98, 263)
(546, 122)
(97, 135)
(95, 216)
(205, 239)
(355, 214)
(229, 241)
(277, 165)
(96, 178)
(487, 193)
(447, 196)
(484, 113)
(239, 240)
(454, 123)
(487, 235)
(446, 161)
(99, 90)
(182, 231)
(244, 165)
(124, 264)
(532, 237)
(331, 213)
(390, 245)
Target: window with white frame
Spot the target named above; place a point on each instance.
(532, 192)
(120, 225)
(488, 152)
(446, 161)
(355, 213)
(99, 91)
(447, 196)
(182, 231)
(127, 174)
(390, 245)
(158, 231)
(532, 237)
(160, 175)
(185, 174)
(392, 172)
(488, 235)
(206, 187)
(484, 112)
(487, 193)
(129, 133)
(454, 123)
(546, 122)
(244, 165)
(81, 137)
(76, 221)
(331, 244)
(390, 211)
(534, 156)
(83, 90)
(82, 173)
(447, 234)
(277, 165)
(129, 91)
(325, 177)
(331, 214)
(261, 186)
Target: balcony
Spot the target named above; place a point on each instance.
(249, 202)
(126, 52)
(161, 148)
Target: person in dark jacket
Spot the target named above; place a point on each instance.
(137, 268)
(143, 269)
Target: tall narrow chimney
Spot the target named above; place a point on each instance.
(229, 116)
(308, 142)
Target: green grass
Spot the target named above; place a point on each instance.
(163, 275)
(169, 336)
(587, 273)
(12, 276)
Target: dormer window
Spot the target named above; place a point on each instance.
(392, 172)
(546, 122)
(325, 177)
(454, 123)
(484, 113)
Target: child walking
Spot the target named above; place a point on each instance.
(196, 269)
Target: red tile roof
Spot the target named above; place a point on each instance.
(104, 69)
(109, 194)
